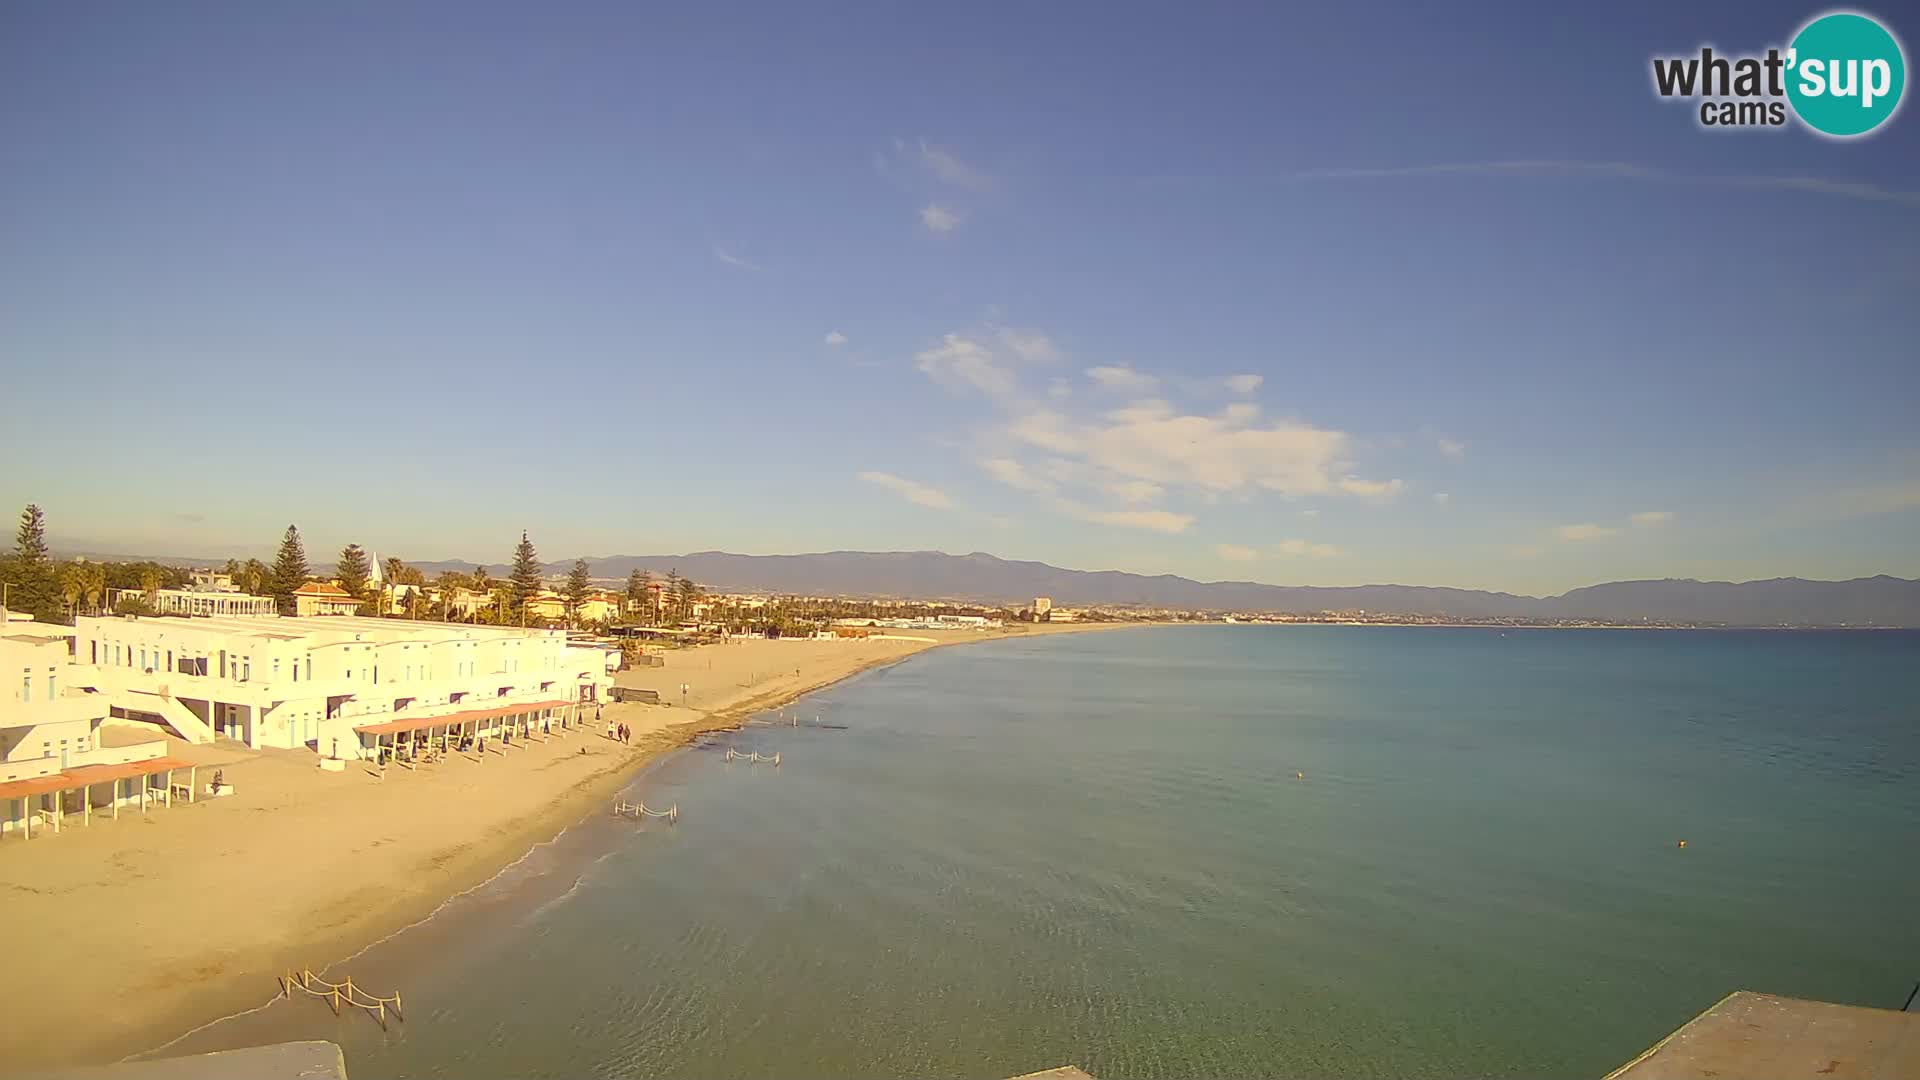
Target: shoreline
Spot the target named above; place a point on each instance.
(169, 1007)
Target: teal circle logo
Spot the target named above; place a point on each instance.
(1845, 74)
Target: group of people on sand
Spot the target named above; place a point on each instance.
(619, 733)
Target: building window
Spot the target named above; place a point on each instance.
(26, 686)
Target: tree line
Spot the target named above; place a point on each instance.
(57, 590)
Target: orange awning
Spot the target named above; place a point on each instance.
(415, 723)
(87, 775)
(38, 785)
(100, 774)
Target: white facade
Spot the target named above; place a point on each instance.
(308, 682)
(49, 727)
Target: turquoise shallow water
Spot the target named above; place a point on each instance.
(1096, 849)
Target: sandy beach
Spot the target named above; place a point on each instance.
(146, 928)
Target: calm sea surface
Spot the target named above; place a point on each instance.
(1097, 849)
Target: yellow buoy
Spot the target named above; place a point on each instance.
(1683, 843)
(1300, 775)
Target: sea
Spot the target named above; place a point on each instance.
(1212, 851)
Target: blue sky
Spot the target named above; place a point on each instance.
(1325, 295)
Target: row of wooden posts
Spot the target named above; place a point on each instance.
(341, 993)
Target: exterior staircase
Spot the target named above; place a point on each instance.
(120, 693)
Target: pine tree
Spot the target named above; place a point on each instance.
(636, 588)
(579, 584)
(526, 572)
(353, 570)
(671, 594)
(289, 569)
(30, 543)
(36, 587)
(689, 592)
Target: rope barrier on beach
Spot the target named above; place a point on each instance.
(341, 993)
(641, 810)
(756, 758)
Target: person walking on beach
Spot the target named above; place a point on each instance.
(609, 729)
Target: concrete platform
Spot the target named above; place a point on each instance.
(279, 1061)
(1759, 1035)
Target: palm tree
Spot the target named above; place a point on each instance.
(73, 585)
(96, 586)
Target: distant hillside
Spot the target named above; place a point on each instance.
(1878, 601)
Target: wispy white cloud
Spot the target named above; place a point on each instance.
(961, 363)
(1030, 345)
(1236, 552)
(1134, 491)
(1121, 379)
(1244, 384)
(1221, 453)
(1584, 531)
(734, 260)
(1059, 388)
(1376, 490)
(946, 166)
(836, 338)
(1647, 519)
(1306, 549)
(939, 218)
(1016, 475)
(1163, 521)
(918, 494)
(1524, 551)
(1442, 498)
(1309, 513)
(1453, 448)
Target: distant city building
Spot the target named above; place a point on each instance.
(598, 607)
(546, 605)
(1042, 605)
(208, 593)
(323, 598)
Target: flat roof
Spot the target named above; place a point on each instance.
(370, 629)
(1760, 1035)
(415, 723)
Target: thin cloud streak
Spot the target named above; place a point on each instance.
(734, 260)
(1597, 170)
(918, 494)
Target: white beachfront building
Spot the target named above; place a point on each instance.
(59, 751)
(322, 682)
(210, 592)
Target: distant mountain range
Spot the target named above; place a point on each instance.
(1875, 601)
